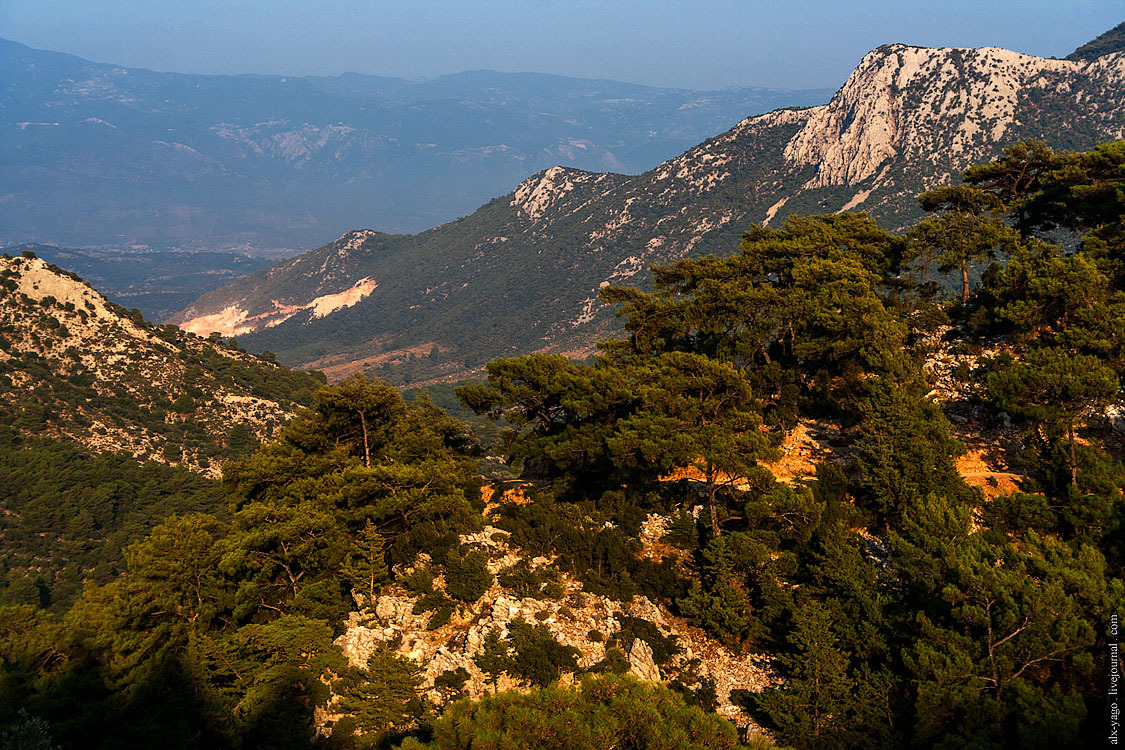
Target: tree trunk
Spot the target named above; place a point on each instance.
(714, 518)
(711, 490)
(964, 282)
(1073, 458)
(366, 449)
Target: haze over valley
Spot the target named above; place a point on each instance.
(99, 154)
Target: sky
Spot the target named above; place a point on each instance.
(700, 44)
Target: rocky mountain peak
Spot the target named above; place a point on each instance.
(547, 191)
(354, 240)
(915, 101)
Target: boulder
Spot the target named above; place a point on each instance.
(641, 664)
(1115, 416)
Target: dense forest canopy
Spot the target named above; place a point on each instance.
(902, 606)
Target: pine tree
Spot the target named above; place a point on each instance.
(365, 564)
(969, 228)
(495, 657)
(1057, 389)
(375, 403)
(813, 704)
(387, 694)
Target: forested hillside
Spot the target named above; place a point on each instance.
(826, 501)
(109, 425)
(524, 271)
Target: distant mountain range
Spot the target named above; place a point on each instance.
(96, 154)
(522, 273)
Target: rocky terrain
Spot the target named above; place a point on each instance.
(74, 365)
(593, 624)
(523, 272)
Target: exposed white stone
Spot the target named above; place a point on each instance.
(641, 664)
(893, 100)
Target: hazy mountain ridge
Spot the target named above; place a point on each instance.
(99, 154)
(523, 271)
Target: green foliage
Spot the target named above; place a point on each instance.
(434, 600)
(179, 561)
(466, 576)
(184, 404)
(969, 227)
(539, 659)
(615, 662)
(800, 310)
(683, 529)
(1053, 387)
(995, 651)
(723, 608)
(241, 440)
(558, 410)
(663, 647)
(901, 609)
(602, 713)
(31, 733)
(347, 406)
(228, 625)
(386, 694)
(694, 412)
(811, 709)
(441, 617)
(406, 479)
(605, 558)
(97, 505)
(904, 450)
(494, 658)
(420, 580)
(365, 565)
(451, 683)
(525, 580)
(1056, 389)
(1104, 44)
(1019, 513)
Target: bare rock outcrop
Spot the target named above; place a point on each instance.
(577, 618)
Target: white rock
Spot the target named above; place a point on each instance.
(1115, 415)
(641, 664)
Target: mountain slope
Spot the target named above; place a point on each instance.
(93, 153)
(1111, 41)
(75, 366)
(522, 273)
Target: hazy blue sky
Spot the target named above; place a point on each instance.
(700, 44)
